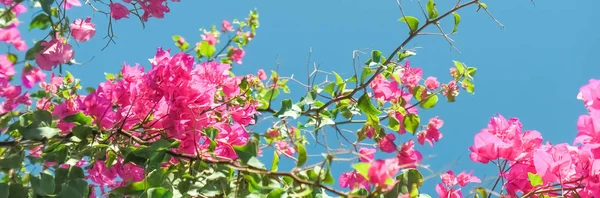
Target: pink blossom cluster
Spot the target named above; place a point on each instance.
(105, 177)
(396, 90)
(152, 8)
(11, 34)
(182, 98)
(447, 189)
(12, 94)
(576, 168)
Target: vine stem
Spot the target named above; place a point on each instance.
(391, 56)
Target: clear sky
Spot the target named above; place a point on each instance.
(532, 69)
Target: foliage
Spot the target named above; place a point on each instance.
(182, 128)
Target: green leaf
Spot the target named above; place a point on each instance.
(328, 178)
(156, 177)
(376, 56)
(135, 187)
(109, 76)
(405, 54)
(112, 156)
(468, 85)
(39, 133)
(482, 191)
(408, 183)
(275, 163)
(74, 188)
(365, 73)
(247, 151)
(301, 154)
(535, 179)
(17, 191)
(41, 21)
(338, 79)
(62, 175)
(418, 92)
(46, 6)
(471, 72)
(481, 5)
(362, 168)
(79, 118)
(411, 122)
(456, 21)
(431, 10)
(413, 22)
(254, 162)
(211, 133)
(329, 88)
(393, 123)
(82, 132)
(460, 68)
(364, 104)
(288, 109)
(159, 192)
(430, 101)
(276, 193)
(206, 49)
(12, 58)
(30, 54)
(43, 185)
(4, 189)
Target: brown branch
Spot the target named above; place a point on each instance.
(391, 56)
(233, 164)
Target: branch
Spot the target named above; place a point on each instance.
(391, 56)
(233, 164)
(7, 144)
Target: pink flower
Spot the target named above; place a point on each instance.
(154, 8)
(411, 76)
(451, 89)
(101, 175)
(226, 26)
(589, 130)
(447, 193)
(11, 35)
(463, 178)
(70, 3)
(32, 75)
(261, 74)
(432, 83)
(453, 72)
(383, 170)
(83, 31)
(54, 53)
(503, 139)
(210, 38)
(366, 154)
(432, 133)
(386, 144)
(244, 115)
(118, 11)
(36, 151)
(385, 90)
(408, 157)
(272, 133)
(285, 148)
(237, 54)
(19, 9)
(6, 68)
(353, 180)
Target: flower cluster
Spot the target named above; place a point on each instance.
(399, 90)
(533, 167)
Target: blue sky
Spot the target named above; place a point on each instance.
(532, 69)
